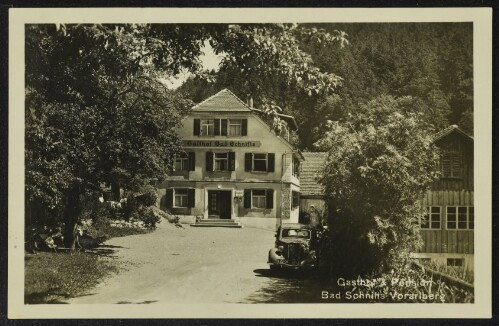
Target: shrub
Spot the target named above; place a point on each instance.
(149, 196)
(380, 162)
(407, 285)
(130, 208)
(151, 216)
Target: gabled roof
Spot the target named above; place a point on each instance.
(449, 130)
(224, 100)
(309, 185)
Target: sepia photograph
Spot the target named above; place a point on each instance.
(284, 161)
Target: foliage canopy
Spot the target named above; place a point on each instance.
(380, 161)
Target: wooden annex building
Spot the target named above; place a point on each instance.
(448, 229)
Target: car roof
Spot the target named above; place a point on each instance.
(296, 226)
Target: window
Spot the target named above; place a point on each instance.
(207, 127)
(295, 199)
(220, 127)
(181, 198)
(235, 127)
(221, 161)
(258, 198)
(455, 262)
(451, 164)
(296, 167)
(225, 161)
(460, 217)
(259, 162)
(431, 218)
(181, 164)
(185, 162)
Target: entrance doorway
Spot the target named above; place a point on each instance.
(219, 204)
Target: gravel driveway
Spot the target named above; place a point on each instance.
(185, 265)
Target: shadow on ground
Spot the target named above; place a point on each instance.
(143, 302)
(104, 250)
(43, 298)
(285, 286)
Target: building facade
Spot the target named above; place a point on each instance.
(448, 227)
(235, 167)
(311, 191)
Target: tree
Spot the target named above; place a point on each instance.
(380, 162)
(97, 112)
(429, 62)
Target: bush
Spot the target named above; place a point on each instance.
(407, 285)
(149, 196)
(380, 161)
(151, 216)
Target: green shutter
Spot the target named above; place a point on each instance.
(169, 198)
(192, 161)
(224, 127)
(244, 128)
(191, 197)
(217, 127)
(248, 161)
(232, 161)
(247, 198)
(271, 162)
(270, 198)
(197, 127)
(209, 161)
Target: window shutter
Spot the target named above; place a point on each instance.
(244, 127)
(197, 127)
(247, 198)
(270, 198)
(192, 161)
(232, 161)
(217, 127)
(224, 127)
(169, 198)
(248, 161)
(209, 161)
(191, 197)
(456, 165)
(271, 162)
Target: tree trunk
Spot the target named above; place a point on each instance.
(72, 214)
(115, 190)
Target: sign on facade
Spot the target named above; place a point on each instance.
(221, 143)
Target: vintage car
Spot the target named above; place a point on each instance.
(295, 247)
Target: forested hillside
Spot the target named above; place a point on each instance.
(431, 63)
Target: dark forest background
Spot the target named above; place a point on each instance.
(430, 62)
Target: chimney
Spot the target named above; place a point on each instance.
(250, 102)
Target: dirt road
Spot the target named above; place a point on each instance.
(190, 265)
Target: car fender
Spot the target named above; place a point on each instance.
(274, 255)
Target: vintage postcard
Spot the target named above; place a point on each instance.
(250, 163)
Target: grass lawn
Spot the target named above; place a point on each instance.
(51, 277)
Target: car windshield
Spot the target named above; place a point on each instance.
(295, 233)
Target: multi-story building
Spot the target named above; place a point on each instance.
(448, 228)
(235, 167)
